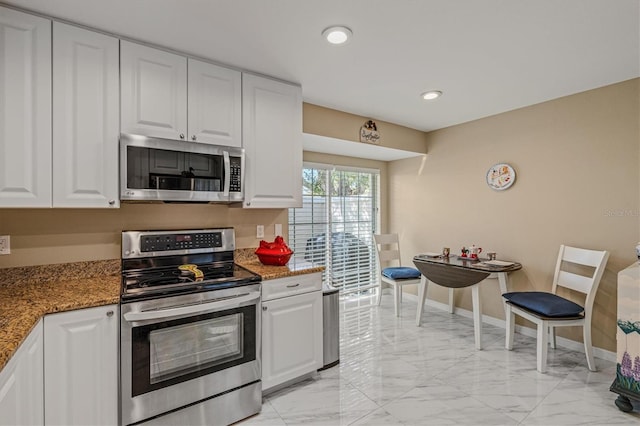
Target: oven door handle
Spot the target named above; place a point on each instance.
(215, 305)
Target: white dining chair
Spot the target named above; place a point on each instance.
(388, 249)
(548, 310)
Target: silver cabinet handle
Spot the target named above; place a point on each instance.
(264, 308)
(112, 202)
(109, 313)
(181, 135)
(293, 285)
(193, 138)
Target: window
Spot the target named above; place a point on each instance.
(335, 224)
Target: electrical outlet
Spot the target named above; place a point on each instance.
(278, 229)
(260, 231)
(5, 246)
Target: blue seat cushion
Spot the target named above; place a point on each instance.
(547, 304)
(401, 273)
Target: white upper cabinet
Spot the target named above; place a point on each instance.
(153, 92)
(272, 138)
(85, 118)
(83, 146)
(215, 104)
(25, 102)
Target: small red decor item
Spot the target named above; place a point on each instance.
(276, 253)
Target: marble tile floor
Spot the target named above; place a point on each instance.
(394, 373)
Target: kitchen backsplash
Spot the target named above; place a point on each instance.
(65, 271)
(54, 236)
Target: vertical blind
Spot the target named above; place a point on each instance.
(335, 224)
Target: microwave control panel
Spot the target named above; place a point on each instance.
(235, 181)
(169, 242)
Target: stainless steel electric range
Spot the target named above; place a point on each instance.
(190, 329)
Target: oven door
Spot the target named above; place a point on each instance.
(180, 350)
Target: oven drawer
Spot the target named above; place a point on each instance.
(290, 286)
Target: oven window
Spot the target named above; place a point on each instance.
(178, 350)
(171, 352)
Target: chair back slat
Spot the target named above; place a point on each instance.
(582, 256)
(389, 255)
(575, 282)
(386, 238)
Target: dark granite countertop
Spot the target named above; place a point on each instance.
(28, 293)
(247, 259)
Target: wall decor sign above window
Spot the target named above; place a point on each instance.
(501, 176)
(369, 133)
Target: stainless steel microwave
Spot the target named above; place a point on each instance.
(155, 169)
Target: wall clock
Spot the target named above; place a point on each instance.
(501, 176)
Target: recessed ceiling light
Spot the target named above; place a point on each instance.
(431, 95)
(337, 34)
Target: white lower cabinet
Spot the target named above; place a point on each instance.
(21, 383)
(81, 367)
(291, 328)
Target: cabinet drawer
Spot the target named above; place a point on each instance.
(289, 286)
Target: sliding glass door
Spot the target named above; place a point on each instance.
(334, 226)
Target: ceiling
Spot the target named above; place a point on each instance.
(487, 56)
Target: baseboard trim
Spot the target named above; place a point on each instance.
(530, 332)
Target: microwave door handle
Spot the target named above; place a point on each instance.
(215, 305)
(227, 173)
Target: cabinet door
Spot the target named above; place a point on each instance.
(85, 112)
(25, 102)
(272, 132)
(153, 92)
(21, 383)
(291, 338)
(81, 367)
(215, 104)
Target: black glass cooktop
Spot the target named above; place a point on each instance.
(173, 279)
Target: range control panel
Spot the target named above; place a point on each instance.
(169, 242)
(146, 244)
